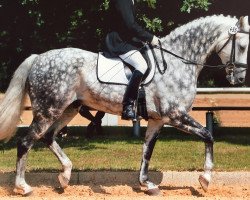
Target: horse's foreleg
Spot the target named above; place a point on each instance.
(205, 178)
(188, 124)
(148, 147)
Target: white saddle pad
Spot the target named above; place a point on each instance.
(113, 71)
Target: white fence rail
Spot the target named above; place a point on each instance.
(223, 90)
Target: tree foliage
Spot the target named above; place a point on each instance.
(35, 26)
(188, 5)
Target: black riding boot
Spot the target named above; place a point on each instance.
(130, 95)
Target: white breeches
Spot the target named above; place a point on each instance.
(135, 59)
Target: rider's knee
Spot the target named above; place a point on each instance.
(142, 68)
(136, 59)
(142, 65)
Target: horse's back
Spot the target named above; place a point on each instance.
(67, 55)
(60, 63)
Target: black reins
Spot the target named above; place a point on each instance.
(165, 65)
(231, 64)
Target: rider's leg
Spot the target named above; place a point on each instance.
(135, 59)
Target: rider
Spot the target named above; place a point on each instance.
(120, 41)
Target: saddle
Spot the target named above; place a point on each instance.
(116, 71)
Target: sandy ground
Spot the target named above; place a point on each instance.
(127, 193)
(123, 185)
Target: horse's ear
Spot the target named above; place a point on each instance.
(244, 24)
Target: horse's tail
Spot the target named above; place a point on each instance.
(11, 105)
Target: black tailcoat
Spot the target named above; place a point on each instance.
(124, 28)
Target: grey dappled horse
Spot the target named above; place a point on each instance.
(59, 81)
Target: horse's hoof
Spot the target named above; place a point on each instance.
(204, 182)
(59, 190)
(153, 192)
(63, 181)
(28, 194)
(24, 192)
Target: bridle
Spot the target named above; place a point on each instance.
(230, 66)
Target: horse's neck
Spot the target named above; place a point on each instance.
(196, 40)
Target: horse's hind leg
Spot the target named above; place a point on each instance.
(148, 147)
(68, 114)
(188, 124)
(40, 125)
(63, 177)
(36, 130)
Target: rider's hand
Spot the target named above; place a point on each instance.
(155, 41)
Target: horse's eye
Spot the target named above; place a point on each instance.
(242, 48)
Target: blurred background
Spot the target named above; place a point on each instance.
(36, 26)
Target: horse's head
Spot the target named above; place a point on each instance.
(232, 49)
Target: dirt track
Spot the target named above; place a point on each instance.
(128, 193)
(123, 185)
